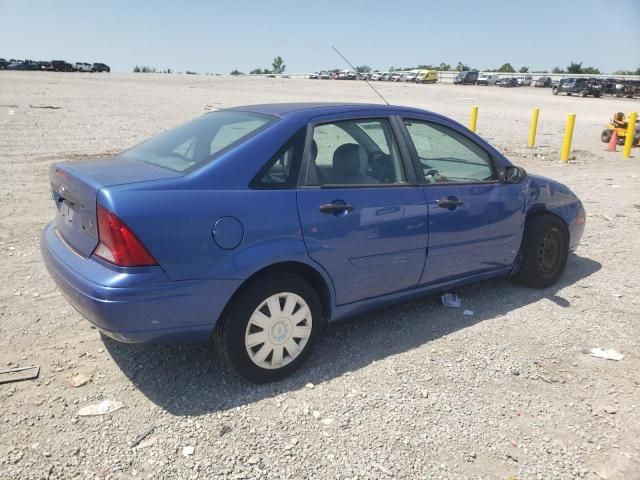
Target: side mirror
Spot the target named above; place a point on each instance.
(513, 174)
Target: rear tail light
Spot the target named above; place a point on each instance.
(118, 244)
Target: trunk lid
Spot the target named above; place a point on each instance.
(75, 187)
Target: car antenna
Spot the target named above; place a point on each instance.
(364, 78)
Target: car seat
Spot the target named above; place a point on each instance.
(349, 163)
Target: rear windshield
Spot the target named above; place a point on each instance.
(199, 140)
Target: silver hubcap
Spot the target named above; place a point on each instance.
(278, 330)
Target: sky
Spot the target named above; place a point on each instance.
(219, 36)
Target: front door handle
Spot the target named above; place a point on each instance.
(335, 208)
(450, 202)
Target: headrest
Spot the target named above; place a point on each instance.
(346, 160)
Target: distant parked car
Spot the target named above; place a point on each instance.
(14, 64)
(324, 75)
(44, 65)
(466, 78)
(100, 67)
(386, 76)
(398, 77)
(314, 76)
(31, 65)
(543, 82)
(580, 86)
(3, 64)
(61, 66)
(487, 79)
(376, 76)
(508, 82)
(82, 67)
(524, 80)
(427, 76)
(410, 77)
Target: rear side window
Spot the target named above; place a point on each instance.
(282, 170)
(200, 140)
(355, 152)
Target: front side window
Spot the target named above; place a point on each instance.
(356, 152)
(198, 141)
(447, 156)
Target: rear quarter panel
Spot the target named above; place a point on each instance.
(177, 227)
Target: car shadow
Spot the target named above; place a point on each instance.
(189, 379)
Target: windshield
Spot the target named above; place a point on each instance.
(199, 140)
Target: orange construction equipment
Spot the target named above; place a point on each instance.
(613, 142)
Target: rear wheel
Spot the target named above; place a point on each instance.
(583, 93)
(271, 328)
(545, 247)
(554, 91)
(606, 135)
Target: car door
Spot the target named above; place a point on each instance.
(363, 216)
(475, 221)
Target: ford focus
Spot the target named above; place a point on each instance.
(255, 227)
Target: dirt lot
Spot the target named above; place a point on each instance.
(413, 391)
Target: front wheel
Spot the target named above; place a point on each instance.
(554, 91)
(606, 135)
(545, 247)
(270, 328)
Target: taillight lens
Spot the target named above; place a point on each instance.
(118, 244)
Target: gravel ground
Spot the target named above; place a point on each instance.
(412, 391)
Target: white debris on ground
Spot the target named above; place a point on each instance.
(608, 354)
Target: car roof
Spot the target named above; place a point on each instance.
(319, 108)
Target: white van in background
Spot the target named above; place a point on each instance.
(487, 79)
(524, 80)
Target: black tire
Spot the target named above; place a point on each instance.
(554, 91)
(229, 337)
(606, 135)
(583, 93)
(545, 247)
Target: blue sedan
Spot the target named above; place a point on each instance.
(256, 226)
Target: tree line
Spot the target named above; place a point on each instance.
(278, 67)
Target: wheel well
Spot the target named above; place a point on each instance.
(537, 213)
(309, 274)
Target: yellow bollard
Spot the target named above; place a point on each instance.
(474, 119)
(534, 127)
(631, 131)
(568, 133)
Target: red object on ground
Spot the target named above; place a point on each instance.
(613, 142)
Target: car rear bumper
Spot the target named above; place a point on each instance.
(135, 305)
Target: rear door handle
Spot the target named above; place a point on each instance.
(335, 208)
(450, 202)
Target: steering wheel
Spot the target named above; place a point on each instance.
(376, 167)
(436, 176)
